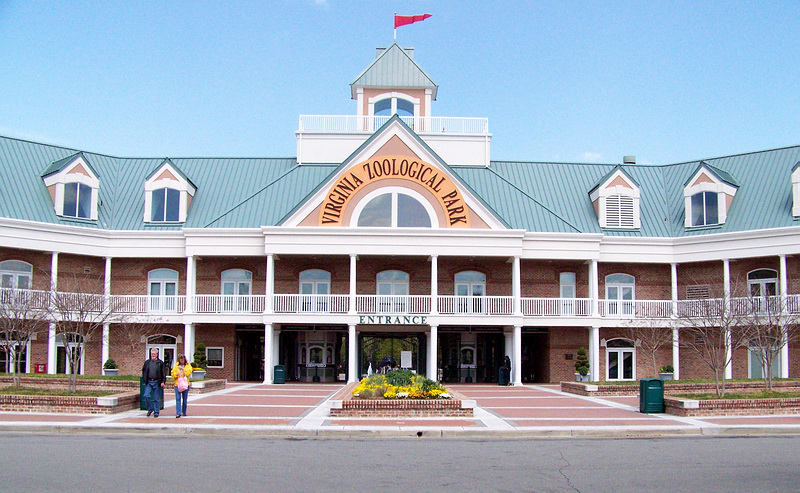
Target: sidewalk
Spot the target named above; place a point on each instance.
(302, 410)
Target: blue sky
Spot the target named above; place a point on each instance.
(559, 81)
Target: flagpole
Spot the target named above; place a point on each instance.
(395, 26)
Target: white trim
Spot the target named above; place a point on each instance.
(394, 190)
(796, 192)
(223, 356)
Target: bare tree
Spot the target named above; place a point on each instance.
(712, 328)
(133, 333)
(80, 313)
(650, 339)
(23, 315)
(769, 327)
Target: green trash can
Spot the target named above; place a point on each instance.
(142, 401)
(651, 395)
(279, 376)
(501, 376)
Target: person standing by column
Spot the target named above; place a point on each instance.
(154, 375)
(181, 373)
(507, 370)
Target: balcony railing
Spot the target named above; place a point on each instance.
(399, 305)
(368, 124)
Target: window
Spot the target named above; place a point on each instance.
(74, 344)
(705, 211)
(620, 293)
(620, 212)
(763, 286)
(395, 208)
(567, 293)
(236, 287)
(7, 355)
(167, 347)
(165, 205)
(470, 289)
(162, 290)
(215, 357)
(620, 360)
(315, 286)
(392, 291)
(15, 274)
(77, 200)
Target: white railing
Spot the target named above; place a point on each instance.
(368, 124)
(556, 307)
(149, 304)
(25, 298)
(476, 305)
(369, 304)
(650, 309)
(229, 303)
(311, 303)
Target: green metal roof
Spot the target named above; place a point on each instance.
(721, 175)
(533, 196)
(394, 68)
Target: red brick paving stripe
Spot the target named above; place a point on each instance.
(406, 423)
(557, 402)
(600, 413)
(248, 400)
(753, 420)
(596, 423)
(255, 412)
(211, 421)
(46, 417)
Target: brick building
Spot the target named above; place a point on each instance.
(393, 237)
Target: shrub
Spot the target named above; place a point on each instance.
(199, 357)
(110, 364)
(666, 369)
(582, 362)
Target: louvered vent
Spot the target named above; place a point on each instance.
(701, 292)
(619, 211)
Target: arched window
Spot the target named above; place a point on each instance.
(763, 285)
(167, 347)
(162, 290)
(392, 286)
(393, 106)
(620, 294)
(395, 208)
(236, 288)
(620, 360)
(315, 286)
(16, 274)
(470, 287)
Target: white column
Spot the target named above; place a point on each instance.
(353, 375)
(673, 272)
(268, 356)
(676, 354)
(509, 346)
(269, 288)
(516, 286)
(433, 354)
(191, 283)
(104, 351)
(516, 363)
(726, 279)
(51, 335)
(276, 345)
(188, 341)
(784, 287)
(594, 354)
(51, 349)
(434, 285)
(594, 288)
(353, 259)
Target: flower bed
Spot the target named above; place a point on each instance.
(399, 384)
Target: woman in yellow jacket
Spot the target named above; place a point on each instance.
(181, 369)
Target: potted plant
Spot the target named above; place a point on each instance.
(199, 364)
(110, 367)
(666, 372)
(582, 366)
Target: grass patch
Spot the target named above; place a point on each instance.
(36, 391)
(766, 394)
(45, 376)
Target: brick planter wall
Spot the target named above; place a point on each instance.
(110, 404)
(600, 390)
(730, 407)
(368, 408)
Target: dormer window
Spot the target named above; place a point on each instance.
(796, 190)
(74, 187)
(616, 200)
(165, 205)
(168, 194)
(708, 195)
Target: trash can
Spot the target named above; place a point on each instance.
(279, 376)
(501, 376)
(651, 395)
(142, 401)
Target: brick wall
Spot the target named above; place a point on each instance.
(213, 335)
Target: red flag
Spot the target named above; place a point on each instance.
(403, 20)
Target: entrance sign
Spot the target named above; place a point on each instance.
(393, 320)
(429, 176)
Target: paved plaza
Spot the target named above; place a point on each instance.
(303, 410)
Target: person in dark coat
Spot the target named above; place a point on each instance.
(154, 375)
(507, 370)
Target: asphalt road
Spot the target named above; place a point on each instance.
(63, 463)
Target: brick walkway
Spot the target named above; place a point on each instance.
(531, 410)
